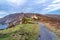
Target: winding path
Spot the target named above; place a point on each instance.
(45, 34)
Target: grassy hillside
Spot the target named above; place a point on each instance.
(20, 32)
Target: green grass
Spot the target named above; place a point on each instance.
(20, 32)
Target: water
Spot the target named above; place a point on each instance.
(45, 34)
(3, 26)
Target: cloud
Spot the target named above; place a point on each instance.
(40, 1)
(16, 2)
(39, 6)
(28, 9)
(52, 7)
(3, 13)
(55, 12)
(56, 1)
(55, 5)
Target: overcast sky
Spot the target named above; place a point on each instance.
(37, 6)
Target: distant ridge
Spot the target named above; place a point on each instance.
(15, 16)
(42, 18)
(54, 15)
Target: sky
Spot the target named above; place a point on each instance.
(33, 6)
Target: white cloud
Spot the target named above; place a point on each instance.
(28, 9)
(16, 2)
(56, 1)
(33, 5)
(3, 13)
(53, 6)
(40, 1)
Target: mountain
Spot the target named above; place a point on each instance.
(16, 18)
(53, 15)
(52, 22)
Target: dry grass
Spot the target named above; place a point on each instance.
(54, 28)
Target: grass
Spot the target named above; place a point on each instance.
(20, 32)
(53, 29)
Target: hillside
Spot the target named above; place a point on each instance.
(17, 29)
(20, 32)
(53, 15)
(16, 18)
(51, 22)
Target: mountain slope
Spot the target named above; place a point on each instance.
(53, 15)
(50, 22)
(17, 16)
